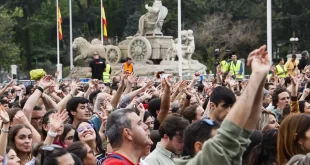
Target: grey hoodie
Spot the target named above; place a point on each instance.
(225, 148)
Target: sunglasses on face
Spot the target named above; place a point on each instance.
(82, 129)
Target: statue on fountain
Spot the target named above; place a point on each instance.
(150, 24)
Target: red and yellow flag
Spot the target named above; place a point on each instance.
(104, 22)
(59, 18)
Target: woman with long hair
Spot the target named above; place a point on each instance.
(267, 121)
(66, 138)
(20, 140)
(265, 153)
(293, 137)
(85, 132)
(53, 127)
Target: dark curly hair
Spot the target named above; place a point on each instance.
(275, 96)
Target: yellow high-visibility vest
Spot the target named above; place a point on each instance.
(224, 66)
(281, 71)
(234, 69)
(106, 74)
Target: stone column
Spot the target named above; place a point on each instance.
(59, 69)
(14, 71)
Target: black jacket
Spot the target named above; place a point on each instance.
(302, 63)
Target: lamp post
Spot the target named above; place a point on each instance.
(294, 40)
(279, 44)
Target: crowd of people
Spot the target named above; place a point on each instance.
(132, 120)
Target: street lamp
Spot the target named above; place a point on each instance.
(294, 40)
(279, 44)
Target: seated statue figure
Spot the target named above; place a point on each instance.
(151, 23)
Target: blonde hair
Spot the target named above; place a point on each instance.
(264, 119)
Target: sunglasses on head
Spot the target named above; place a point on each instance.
(46, 150)
(208, 121)
(82, 129)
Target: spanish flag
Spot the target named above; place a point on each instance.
(59, 18)
(104, 23)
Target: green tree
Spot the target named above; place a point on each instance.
(9, 51)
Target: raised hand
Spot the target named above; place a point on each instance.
(20, 118)
(11, 82)
(182, 86)
(141, 108)
(258, 60)
(46, 81)
(57, 119)
(306, 92)
(196, 76)
(4, 115)
(148, 85)
(294, 80)
(132, 78)
(148, 94)
(166, 83)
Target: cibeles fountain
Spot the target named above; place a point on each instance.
(150, 50)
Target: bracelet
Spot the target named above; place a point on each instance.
(5, 122)
(52, 134)
(4, 131)
(40, 89)
(71, 95)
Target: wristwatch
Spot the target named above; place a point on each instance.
(52, 134)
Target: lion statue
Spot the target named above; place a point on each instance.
(85, 49)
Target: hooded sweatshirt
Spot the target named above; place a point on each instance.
(225, 148)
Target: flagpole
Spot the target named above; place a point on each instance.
(57, 23)
(71, 51)
(101, 21)
(269, 29)
(179, 40)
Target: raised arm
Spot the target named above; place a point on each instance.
(6, 87)
(225, 146)
(44, 83)
(259, 63)
(117, 96)
(165, 101)
(4, 117)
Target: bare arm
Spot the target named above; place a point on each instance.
(128, 88)
(185, 105)
(165, 102)
(4, 139)
(256, 108)
(44, 83)
(6, 87)
(31, 103)
(48, 102)
(57, 98)
(116, 98)
(62, 104)
(240, 113)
